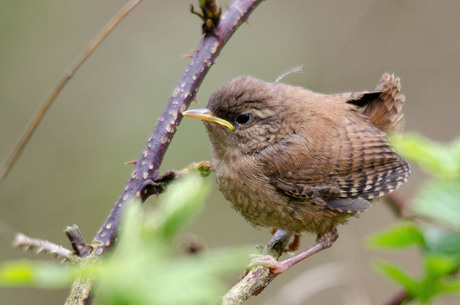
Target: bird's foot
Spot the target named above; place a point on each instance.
(268, 261)
(323, 241)
(279, 267)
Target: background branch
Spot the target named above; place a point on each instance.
(40, 114)
(41, 245)
(399, 298)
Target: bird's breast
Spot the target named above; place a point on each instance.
(242, 181)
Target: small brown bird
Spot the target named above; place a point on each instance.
(290, 158)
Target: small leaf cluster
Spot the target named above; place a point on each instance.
(439, 199)
(440, 251)
(438, 236)
(144, 268)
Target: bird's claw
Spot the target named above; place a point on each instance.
(268, 261)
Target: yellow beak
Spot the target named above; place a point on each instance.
(206, 115)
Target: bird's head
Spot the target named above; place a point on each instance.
(246, 114)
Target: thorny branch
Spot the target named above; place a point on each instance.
(145, 180)
(41, 245)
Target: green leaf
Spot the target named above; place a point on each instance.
(439, 265)
(222, 261)
(442, 241)
(396, 273)
(141, 270)
(145, 279)
(401, 235)
(182, 202)
(434, 284)
(18, 273)
(439, 160)
(448, 286)
(38, 274)
(440, 202)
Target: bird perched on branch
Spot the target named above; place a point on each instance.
(290, 158)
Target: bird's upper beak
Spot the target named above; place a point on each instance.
(208, 116)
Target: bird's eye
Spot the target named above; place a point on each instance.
(243, 118)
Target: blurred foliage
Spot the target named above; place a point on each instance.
(144, 268)
(437, 202)
(439, 199)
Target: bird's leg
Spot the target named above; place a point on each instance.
(323, 242)
(295, 243)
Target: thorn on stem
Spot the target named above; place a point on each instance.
(40, 245)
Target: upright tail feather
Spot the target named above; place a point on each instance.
(385, 112)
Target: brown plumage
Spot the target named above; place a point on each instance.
(291, 158)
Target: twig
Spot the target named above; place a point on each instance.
(210, 15)
(260, 276)
(77, 241)
(399, 298)
(40, 245)
(398, 205)
(159, 185)
(27, 135)
(203, 168)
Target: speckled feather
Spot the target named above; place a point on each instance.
(306, 161)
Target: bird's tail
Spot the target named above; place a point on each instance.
(385, 112)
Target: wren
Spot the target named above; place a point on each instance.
(290, 158)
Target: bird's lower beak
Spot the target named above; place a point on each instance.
(206, 115)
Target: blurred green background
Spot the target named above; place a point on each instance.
(73, 169)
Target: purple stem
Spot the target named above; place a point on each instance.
(399, 298)
(146, 172)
